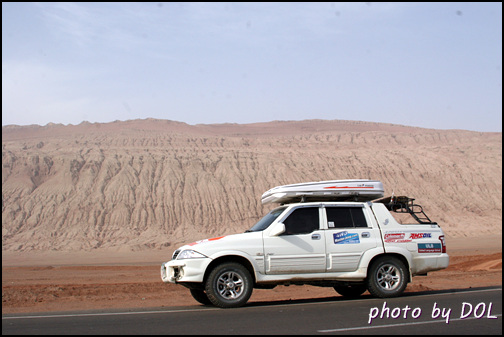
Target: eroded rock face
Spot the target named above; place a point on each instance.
(149, 184)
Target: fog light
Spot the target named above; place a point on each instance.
(178, 273)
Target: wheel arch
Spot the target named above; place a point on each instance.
(400, 257)
(230, 258)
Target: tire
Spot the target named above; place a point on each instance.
(200, 296)
(387, 277)
(229, 285)
(351, 291)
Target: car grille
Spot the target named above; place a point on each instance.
(175, 254)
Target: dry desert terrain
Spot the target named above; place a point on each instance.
(90, 211)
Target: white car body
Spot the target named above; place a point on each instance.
(327, 255)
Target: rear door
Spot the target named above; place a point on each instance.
(301, 248)
(348, 236)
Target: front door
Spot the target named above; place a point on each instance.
(301, 248)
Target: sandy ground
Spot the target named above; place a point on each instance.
(54, 281)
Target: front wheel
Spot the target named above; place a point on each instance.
(387, 277)
(229, 285)
(200, 296)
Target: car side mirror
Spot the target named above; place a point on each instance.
(277, 229)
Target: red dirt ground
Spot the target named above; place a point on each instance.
(80, 287)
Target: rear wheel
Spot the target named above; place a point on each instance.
(387, 277)
(229, 285)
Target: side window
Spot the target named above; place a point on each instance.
(345, 217)
(358, 217)
(302, 221)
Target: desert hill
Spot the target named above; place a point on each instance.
(151, 184)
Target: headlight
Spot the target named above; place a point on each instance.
(190, 254)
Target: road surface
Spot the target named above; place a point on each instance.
(470, 311)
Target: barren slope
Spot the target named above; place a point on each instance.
(149, 184)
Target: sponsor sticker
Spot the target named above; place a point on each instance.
(397, 237)
(345, 238)
(429, 248)
(414, 236)
(401, 237)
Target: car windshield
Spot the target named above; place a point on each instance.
(267, 220)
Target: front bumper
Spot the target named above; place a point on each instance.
(190, 270)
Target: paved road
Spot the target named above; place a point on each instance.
(472, 311)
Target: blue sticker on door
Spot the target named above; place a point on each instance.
(345, 237)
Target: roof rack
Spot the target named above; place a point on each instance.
(403, 204)
(311, 198)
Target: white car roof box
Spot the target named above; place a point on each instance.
(331, 190)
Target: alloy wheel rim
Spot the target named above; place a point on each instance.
(230, 285)
(388, 277)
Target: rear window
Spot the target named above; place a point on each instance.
(345, 217)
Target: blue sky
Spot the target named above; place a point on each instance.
(432, 65)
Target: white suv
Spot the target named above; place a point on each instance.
(350, 246)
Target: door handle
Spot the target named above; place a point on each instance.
(315, 236)
(366, 234)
